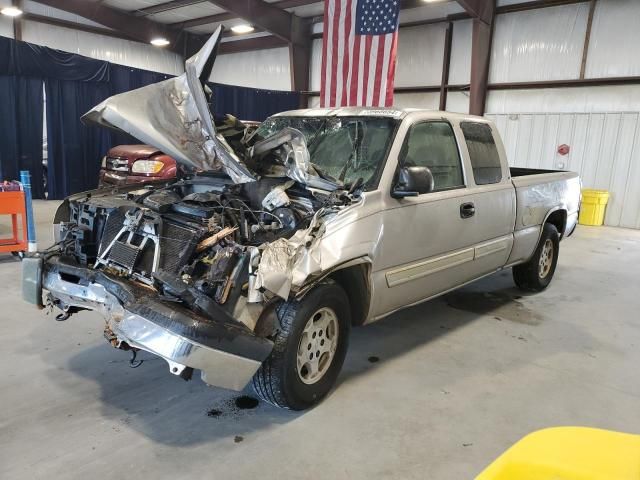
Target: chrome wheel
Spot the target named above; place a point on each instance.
(317, 346)
(546, 259)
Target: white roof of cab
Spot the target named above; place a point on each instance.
(392, 112)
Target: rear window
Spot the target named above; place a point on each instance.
(483, 153)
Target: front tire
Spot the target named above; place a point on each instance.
(536, 274)
(309, 349)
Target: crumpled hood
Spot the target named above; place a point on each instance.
(174, 117)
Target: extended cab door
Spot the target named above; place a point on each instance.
(431, 241)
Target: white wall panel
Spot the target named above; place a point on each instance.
(258, 69)
(429, 100)
(621, 98)
(460, 66)
(458, 102)
(39, 9)
(420, 54)
(6, 27)
(123, 52)
(315, 64)
(314, 102)
(615, 36)
(543, 44)
(605, 150)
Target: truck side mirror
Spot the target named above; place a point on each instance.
(413, 181)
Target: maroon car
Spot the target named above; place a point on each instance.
(126, 164)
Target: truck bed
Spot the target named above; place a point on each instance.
(540, 191)
(523, 172)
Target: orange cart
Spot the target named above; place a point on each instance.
(13, 203)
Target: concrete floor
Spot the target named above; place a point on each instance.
(458, 380)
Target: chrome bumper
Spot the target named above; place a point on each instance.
(227, 355)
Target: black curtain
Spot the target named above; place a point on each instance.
(75, 149)
(21, 129)
(74, 84)
(251, 103)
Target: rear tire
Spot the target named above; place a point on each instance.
(309, 349)
(536, 274)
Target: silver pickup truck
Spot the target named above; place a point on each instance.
(255, 268)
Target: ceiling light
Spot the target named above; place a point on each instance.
(242, 28)
(160, 42)
(11, 11)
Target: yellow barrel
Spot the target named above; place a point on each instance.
(594, 203)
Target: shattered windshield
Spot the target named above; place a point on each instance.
(345, 148)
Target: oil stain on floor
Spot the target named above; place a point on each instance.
(500, 304)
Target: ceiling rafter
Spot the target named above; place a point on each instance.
(137, 28)
(165, 7)
(274, 20)
(221, 17)
(483, 10)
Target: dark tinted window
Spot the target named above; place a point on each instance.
(482, 152)
(433, 145)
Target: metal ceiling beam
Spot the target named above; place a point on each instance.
(165, 7)
(256, 43)
(483, 10)
(57, 22)
(482, 37)
(221, 17)
(296, 31)
(270, 18)
(140, 29)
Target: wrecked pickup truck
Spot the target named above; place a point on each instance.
(255, 268)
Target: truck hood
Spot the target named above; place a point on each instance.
(133, 151)
(174, 117)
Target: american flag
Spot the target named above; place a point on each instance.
(359, 47)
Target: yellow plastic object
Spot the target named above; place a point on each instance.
(569, 453)
(594, 203)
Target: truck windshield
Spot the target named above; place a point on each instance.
(345, 148)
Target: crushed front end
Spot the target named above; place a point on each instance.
(174, 268)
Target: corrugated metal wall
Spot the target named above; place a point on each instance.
(605, 149)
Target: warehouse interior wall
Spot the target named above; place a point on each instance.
(269, 68)
(600, 123)
(533, 45)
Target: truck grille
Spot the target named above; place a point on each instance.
(177, 246)
(111, 229)
(118, 164)
(124, 254)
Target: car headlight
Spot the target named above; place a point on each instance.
(146, 166)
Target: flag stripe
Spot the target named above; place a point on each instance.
(334, 59)
(366, 70)
(347, 47)
(391, 75)
(381, 93)
(378, 75)
(359, 47)
(323, 67)
(355, 71)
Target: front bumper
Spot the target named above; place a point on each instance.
(108, 177)
(227, 353)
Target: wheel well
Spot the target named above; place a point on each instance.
(559, 220)
(355, 282)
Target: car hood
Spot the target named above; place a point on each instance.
(174, 117)
(133, 151)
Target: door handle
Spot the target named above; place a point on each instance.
(467, 210)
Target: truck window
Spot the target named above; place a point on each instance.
(483, 153)
(433, 145)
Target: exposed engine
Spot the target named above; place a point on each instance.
(196, 241)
